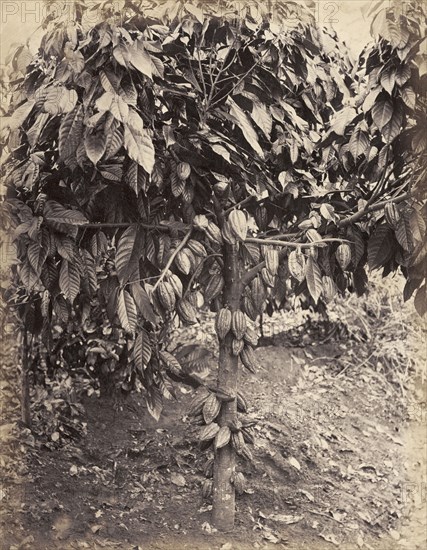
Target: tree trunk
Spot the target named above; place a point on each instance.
(25, 383)
(223, 511)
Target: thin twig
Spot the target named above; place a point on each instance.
(171, 259)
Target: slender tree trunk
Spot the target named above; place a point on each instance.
(25, 383)
(223, 511)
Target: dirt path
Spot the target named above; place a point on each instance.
(332, 468)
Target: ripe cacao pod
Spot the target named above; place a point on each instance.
(251, 337)
(197, 248)
(214, 287)
(198, 420)
(242, 405)
(297, 265)
(176, 284)
(245, 452)
(213, 233)
(222, 438)
(329, 288)
(227, 235)
(186, 312)
(237, 441)
(182, 262)
(237, 346)
(258, 293)
(313, 235)
(223, 323)
(208, 467)
(211, 408)
(391, 213)
(239, 482)
(272, 260)
(207, 487)
(238, 224)
(183, 170)
(234, 425)
(221, 189)
(249, 308)
(166, 295)
(343, 255)
(238, 324)
(261, 217)
(267, 277)
(248, 436)
(200, 221)
(198, 401)
(224, 395)
(248, 358)
(209, 431)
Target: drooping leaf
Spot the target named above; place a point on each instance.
(420, 300)
(358, 143)
(20, 115)
(154, 402)
(392, 129)
(408, 95)
(140, 147)
(388, 78)
(404, 232)
(126, 310)
(242, 121)
(95, 143)
(142, 350)
(128, 254)
(70, 132)
(262, 118)
(140, 59)
(69, 280)
(314, 279)
(379, 246)
(143, 303)
(382, 112)
(56, 215)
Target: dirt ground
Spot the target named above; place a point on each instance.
(339, 461)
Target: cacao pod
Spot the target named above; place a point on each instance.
(251, 337)
(267, 277)
(249, 308)
(245, 452)
(234, 425)
(391, 213)
(261, 217)
(166, 295)
(198, 401)
(45, 303)
(313, 236)
(214, 287)
(239, 482)
(198, 420)
(227, 235)
(272, 260)
(209, 431)
(207, 487)
(221, 189)
(211, 408)
(208, 467)
(186, 312)
(176, 285)
(222, 438)
(213, 233)
(224, 395)
(343, 255)
(248, 358)
(237, 346)
(182, 262)
(242, 405)
(183, 170)
(223, 323)
(297, 265)
(197, 248)
(248, 435)
(200, 221)
(258, 293)
(313, 251)
(238, 224)
(238, 324)
(237, 441)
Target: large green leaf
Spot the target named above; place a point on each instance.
(142, 350)
(69, 280)
(70, 132)
(243, 122)
(382, 112)
(380, 246)
(143, 303)
(140, 59)
(56, 215)
(139, 146)
(126, 310)
(128, 254)
(314, 279)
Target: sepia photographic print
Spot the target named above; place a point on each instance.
(213, 275)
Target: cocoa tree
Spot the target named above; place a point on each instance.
(160, 163)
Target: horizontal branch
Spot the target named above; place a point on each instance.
(113, 225)
(291, 244)
(373, 208)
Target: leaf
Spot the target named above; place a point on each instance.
(392, 129)
(297, 265)
(135, 177)
(388, 78)
(20, 115)
(379, 246)
(154, 402)
(262, 118)
(95, 144)
(128, 254)
(70, 132)
(59, 100)
(314, 279)
(198, 13)
(56, 215)
(171, 362)
(37, 255)
(404, 232)
(69, 280)
(408, 96)
(358, 143)
(420, 300)
(140, 147)
(143, 303)
(243, 122)
(126, 310)
(140, 59)
(342, 119)
(114, 104)
(382, 112)
(142, 350)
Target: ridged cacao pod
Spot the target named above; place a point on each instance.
(211, 408)
(238, 324)
(207, 487)
(200, 221)
(261, 217)
(208, 467)
(209, 431)
(234, 425)
(297, 265)
(313, 235)
(248, 358)
(272, 260)
(227, 235)
(213, 233)
(221, 189)
(343, 255)
(183, 170)
(176, 284)
(267, 277)
(237, 441)
(258, 293)
(222, 438)
(197, 248)
(248, 435)
(198, 420)
(238, 224)
(251, 337)
(237, 346)
(166, 295)
(242, 405)
(214, 287)
(249, 308)
(239, 482)
(245, 452)
(223, 323)
(183, 262)
(186, 312)
(391, 213)
(198, 401)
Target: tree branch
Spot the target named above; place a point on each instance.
(112, 225)
(171, 259)
(367, 210)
